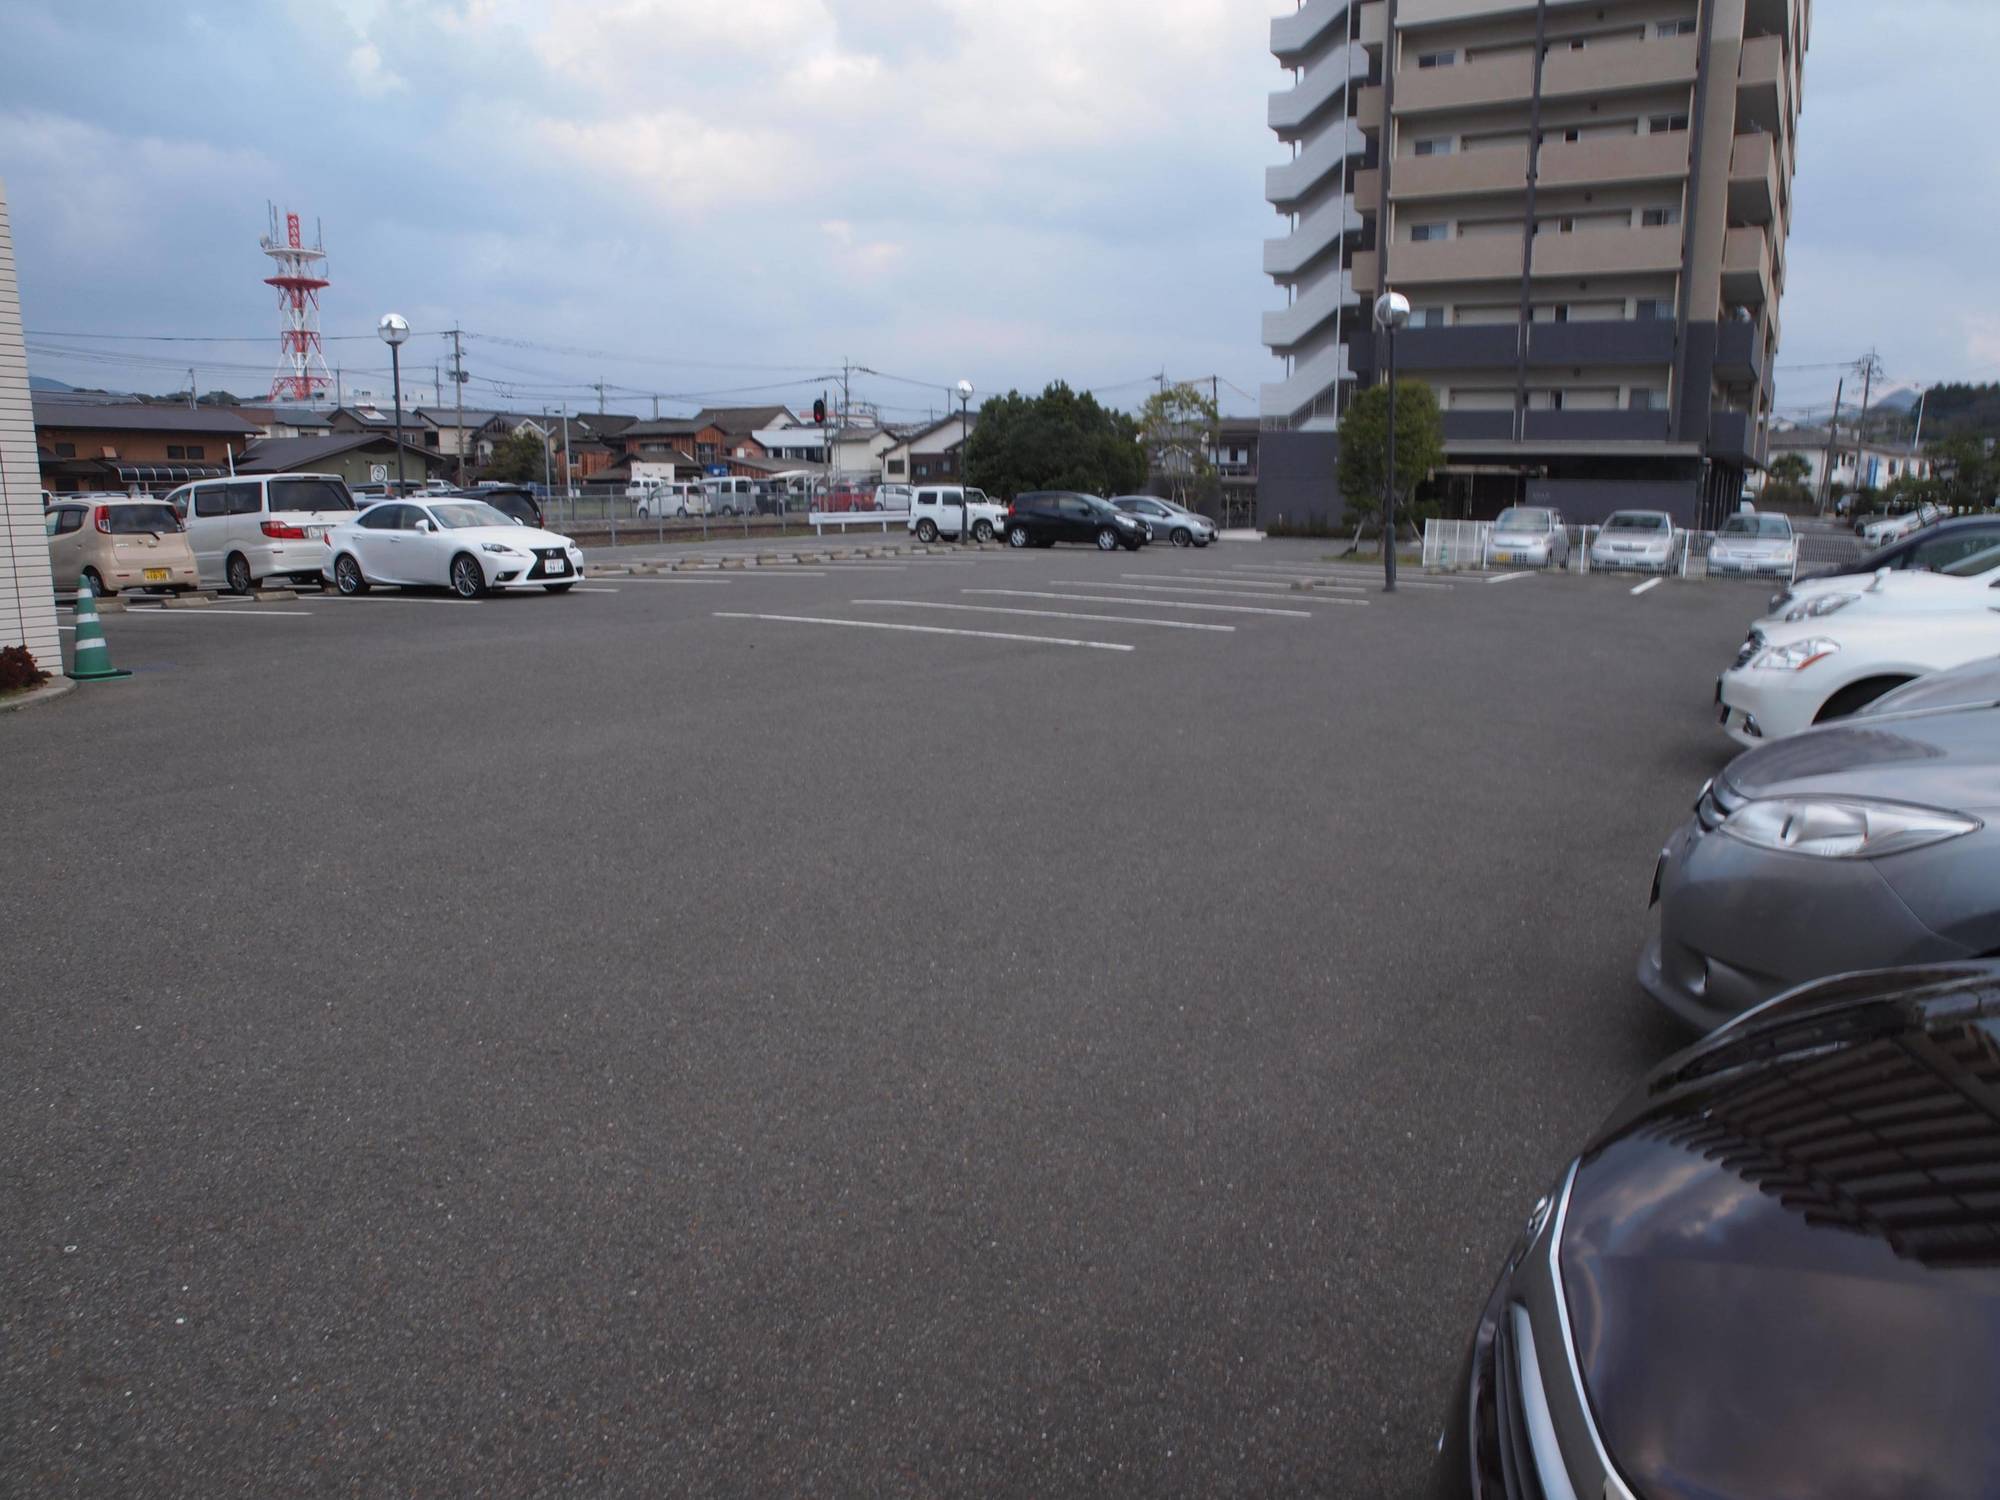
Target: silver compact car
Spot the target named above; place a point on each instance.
(1528, 536)
(1166, 521)
(1863, 844)
(1641, 539)
(1754, 545)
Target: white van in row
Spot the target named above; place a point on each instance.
(245, 530)
(663, 499)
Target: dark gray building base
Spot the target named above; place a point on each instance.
(1298, 481)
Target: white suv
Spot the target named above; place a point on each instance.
(935, 511)
(250, 528)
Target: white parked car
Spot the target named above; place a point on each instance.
(1643, 539)
(936, 510)
(1754, 544)
(895, 496)
(248, 529)
(1886, 529)
(460, 543)
(1789, 677)
(688, 499)
(1528, 536)
(1972, 582)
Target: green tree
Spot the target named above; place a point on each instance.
(1790, 468)
(1364, 447)
(1177, 425)
(1059, 440)
(518, 458)
(1967, 472)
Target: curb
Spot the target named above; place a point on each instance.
(187, 601)
(54, 688)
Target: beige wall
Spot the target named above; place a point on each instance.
(27, 591)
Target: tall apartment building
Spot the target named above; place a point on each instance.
(1586, 204)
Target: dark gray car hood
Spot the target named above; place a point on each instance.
(1782, 1260)
(1949, 760)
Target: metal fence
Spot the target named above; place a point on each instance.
(1453, 545)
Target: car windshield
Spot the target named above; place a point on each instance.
(1971, 567)
(460, 514)
(1637, 520)
(1522, 520)
(1761, 526)
(139, 520)
(309, 494)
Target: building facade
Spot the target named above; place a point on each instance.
(27, 589)
(1587, 207)
(1856, 466)
(135, 447)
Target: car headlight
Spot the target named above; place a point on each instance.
(1797, 656)
(1820, 604)
(1843, 827)
(500, 547)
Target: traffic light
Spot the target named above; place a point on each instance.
(819, 411)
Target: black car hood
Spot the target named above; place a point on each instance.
(1782, 1262)
(1938, 759)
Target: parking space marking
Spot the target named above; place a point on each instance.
(582, 589)
(1650, 583)
(1259, 583)
(1229, 609)
(1369, 575)
(1046, 614)
(1508, 577)
(1176, 588)
(222, 614)
(984, 635)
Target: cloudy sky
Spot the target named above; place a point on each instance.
(724, 199)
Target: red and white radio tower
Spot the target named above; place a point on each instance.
(302, 372)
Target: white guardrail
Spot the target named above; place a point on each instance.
(842, 520)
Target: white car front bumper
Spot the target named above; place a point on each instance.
(1757, 704)
(532, 570)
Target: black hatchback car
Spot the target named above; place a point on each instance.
(1776, 1271)
(515, 500)
(1041, 518)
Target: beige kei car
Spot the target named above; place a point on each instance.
(119, 542)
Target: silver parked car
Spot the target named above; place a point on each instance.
(1756, 545)
(1528, 536)
(1166, 521)
(1643, 539)
(1862, 844)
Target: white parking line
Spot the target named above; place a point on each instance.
(1650, 583)
(1206, 592)
(643, 578)
(1229, 609)
(1046, 614)
(390, 599)
(222, 614)
(1204, 579)
(582, 589)
(1508, 577)
(1360, 575)
(984, 635)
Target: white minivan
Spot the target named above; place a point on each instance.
(247, 529)
(675, 499)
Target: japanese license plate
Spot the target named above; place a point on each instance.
(157, 575)
(558, 565)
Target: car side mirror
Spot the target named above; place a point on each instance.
(425, 526)
(1881, 577)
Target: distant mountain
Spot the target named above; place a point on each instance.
(43, 383)
(1903, 399)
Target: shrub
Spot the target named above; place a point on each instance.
(18, 670)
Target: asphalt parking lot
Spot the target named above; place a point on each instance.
(803, 1031)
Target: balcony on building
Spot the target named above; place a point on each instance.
(1367, 190)
(1477, 426)
(1316, 234)
(1412, 13)
(1764, 84)
(1597, 426)
(1753, 178)
(1289, 183)
(1462, 174)
(1735, 437)
(1608, 252)
(1486, 257)
(1739, 352)
(1607, 68)
(1477, 346)
(1602, 341)
(1363, 273)
(1746, 266)
(1368, 111)
(1612, 161)
(1483, 83)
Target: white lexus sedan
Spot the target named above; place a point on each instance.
(458, 543)
(1790, 676)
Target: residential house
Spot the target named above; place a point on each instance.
(1865, 465)
(932, 454)
(97, 446)
(483, 430)
(288, 421)
(357, 457)
(858, 451)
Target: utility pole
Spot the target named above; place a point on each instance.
(1870, 366)
(339, 394)
(1832, 427)
(1922, 396)
(191, 401)
(599, 388)
(656, 408)
(458, 398)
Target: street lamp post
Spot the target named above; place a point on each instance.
(395, 330)
(1392, 311)
(964, 498)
